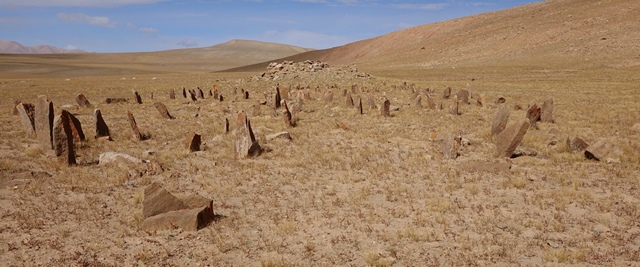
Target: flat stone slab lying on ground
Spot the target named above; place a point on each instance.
(279, 135)
(603, 150)
(114, 100)
(163, 211)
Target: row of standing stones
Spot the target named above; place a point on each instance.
(162, 210)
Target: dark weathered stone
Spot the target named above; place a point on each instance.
(192, 94)
(102, 130)
(226, 125)
(447, 93)
(533, 113)
(44, 121)
(576, 144)
(151, 95)
(137, 136)
(187, 220)
(220, 98)
(172, 94)
(500, 100)
(210, 92)
(277, 98)
(546, 112)
(463, 96)
(245, 95)
(137, 97)
(26, 112)
(245, 144)
(603, 150)
(82, 101)
(510, 138)
(360, 111)
(157, 200)
(184, 92)
(193, 141)
(76, 128)
(163, 110)
(63, 139)
(199, 93)
(500, 121)
(385, 108)
(348, 100)
(114, 100)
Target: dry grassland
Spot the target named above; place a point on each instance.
(379, 193)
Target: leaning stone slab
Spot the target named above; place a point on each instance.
(245, 144)
(602, 150)
(63, 139)
(157, 200)
(76, 128)
(82, 101)
(485, 166)
(137, 97)
(510, 138)
(500, 121)
(187, 220)
(164, 112)
(137, 136)
(26, 112)
(44, 121)
(102, 130)
(193, 142)
(533, 113)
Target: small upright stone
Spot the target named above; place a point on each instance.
(349, 100)
(172, 94)
(463, 96)
(82, 101)
(76, 127)
(14, 110)
(246, 94)
(450, 145)
(199, 93)
(277, 98)
(430, 103)
(385, 108)
(192, 94)
(193, 141)
(500, 100)
(184, 92)
(453, 108)
(134, 127)
(576, 144)
(510, 138)
(102, 130)
(500, 121)
(371, 102)
(26, 112)
(286, 115)
(418, 101)
(63, 139)
(226, 125)
(328, 96)
(533, 113)
(360, 111)
(137, 97)
(245, 144)
(44, 121)
(447, 93)
(546, 112)
(163, 110)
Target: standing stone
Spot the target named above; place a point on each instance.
(418, 100)
(82, 101)
(255, 110)
(328, 96)
(184, 92)
(199, 93)
(172, 94)
(151, 95)
(440, 105)
(245, 144)
(14, 110)
(215, 92)
(463, 96)
(385, 108)
(210, 92)
(450, 145)
(349, 100)
(500, 100)
(277, 98)
(102, 130)
(26, 112)
(192, 94)
(163, 110)
(246, 94)
(533, 114)
(134, 127)
(44, 121)
(447, 93)
(226, 125)
(76, 127)
(510, 138)
(480, 100)
(371, 102)
(286, 115)
(546, 112)
(63, 139)
(500, 121)
(576, 144)
(453, 108)
(360, 106)
(137, 97)
(220, 98)
(284, 93)
(193, 141)
(430, 103)
(603, 150)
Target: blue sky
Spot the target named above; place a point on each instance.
(153, 25)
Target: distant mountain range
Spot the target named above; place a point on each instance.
(11, 47)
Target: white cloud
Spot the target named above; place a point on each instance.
(74, 3)
(421, 6)
(79, 17)
(307, 39)
(141, 29)
(188, 43)
(70, 47)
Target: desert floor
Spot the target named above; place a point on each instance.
(348, 190)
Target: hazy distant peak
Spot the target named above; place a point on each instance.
(11, 47)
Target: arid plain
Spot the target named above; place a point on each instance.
(348, 189)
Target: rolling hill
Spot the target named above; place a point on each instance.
(10, 47)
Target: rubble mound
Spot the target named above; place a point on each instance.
(290, 69)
